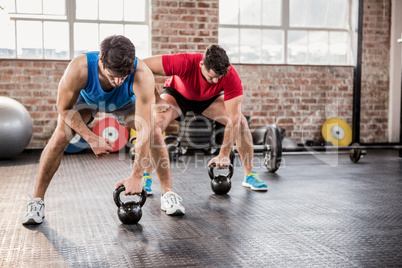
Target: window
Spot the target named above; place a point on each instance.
(63, 29)
(286, 31)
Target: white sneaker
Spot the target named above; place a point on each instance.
(170, 203)
(35, 212)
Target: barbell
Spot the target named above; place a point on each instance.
(272, 149)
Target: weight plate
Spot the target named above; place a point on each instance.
(355, 154)
(272, 156)
(195, 146)
(133, 133)
(76, 145)
(197, 140)
(258, 135)
(110, 129)
(111, 133)
(201, 131)
(337, 131)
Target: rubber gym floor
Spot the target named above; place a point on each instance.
(318, 212)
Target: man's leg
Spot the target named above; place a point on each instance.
(51, 157)
(244, 143)
(162, 121)
(48, 164)
(170, 201)
(159, 158)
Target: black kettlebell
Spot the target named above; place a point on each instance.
(172, 146)
(220, 183)
(129, 212)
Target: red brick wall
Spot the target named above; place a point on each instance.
(34, 84)
(184, 25)
(289, 96)
(297, 98)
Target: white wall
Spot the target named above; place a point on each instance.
(395, 72)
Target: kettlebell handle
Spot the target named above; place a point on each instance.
(174, 139)
(119, 203)
(212, 175)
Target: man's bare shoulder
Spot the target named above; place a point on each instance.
(143, 73)
(79, 63)
(144, 81)
(76, 73)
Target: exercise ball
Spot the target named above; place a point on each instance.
(15, 127)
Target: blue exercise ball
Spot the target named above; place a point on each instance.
(16, 127)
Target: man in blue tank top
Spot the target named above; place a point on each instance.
(114, 81)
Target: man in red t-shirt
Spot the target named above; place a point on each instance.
(196, 84)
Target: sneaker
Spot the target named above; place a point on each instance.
(147, 182)
(254, 182)
(35, 212)
(170, 203)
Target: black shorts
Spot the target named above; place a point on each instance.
(186, 105)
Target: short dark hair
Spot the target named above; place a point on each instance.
(215, 58)
(118, 54)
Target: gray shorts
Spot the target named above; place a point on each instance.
(118, 114)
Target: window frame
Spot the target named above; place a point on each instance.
(70, 18)
(285, 27)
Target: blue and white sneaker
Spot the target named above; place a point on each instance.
(254, 182)
(147, 182)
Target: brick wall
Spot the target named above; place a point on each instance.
(188, 25)
(183, 26)
(297, 98)
(289, 96)
(34, 84)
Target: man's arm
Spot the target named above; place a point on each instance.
(155, 65)
(143, 86)
(73, 80)
(231, 134)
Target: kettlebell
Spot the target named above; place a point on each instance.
(220, 183)
(129, 212)
(172, 146)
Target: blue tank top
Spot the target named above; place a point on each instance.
(95, 96)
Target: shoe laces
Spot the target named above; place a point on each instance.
(255, 176)
(172, 197)
(145, 180)
(33, 204)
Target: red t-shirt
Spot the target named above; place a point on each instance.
(187, 79)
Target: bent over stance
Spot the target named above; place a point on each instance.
(196, 84)
(114, 81)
